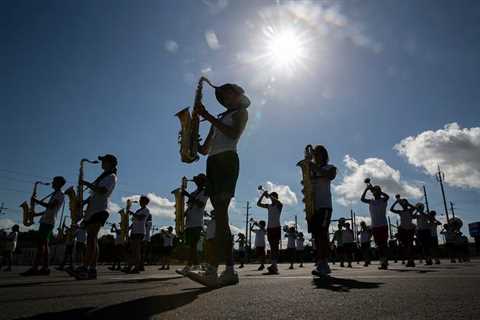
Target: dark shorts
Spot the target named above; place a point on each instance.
(99, 217)
(274, 234)
(380, 235)
(192, 235)
(80, 247)
(167, 251)
(425, 238)
(45, 231)
(405, 236)
(319, 221)
(260, 251)
(241, 254)
(222, 173)
(137, 236)
(291, 252)
(348, 247)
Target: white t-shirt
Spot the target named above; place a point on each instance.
(300, 244)
(259, 238)
(148, 229)
(99, 201)
(211, 229)
(423, 221)
(347, 236)
(194, 213)
(221, 142)
(274, 212)
(378, 212)
(81, 235)
(406, 218)
(140, 218)
(321, 187)
(291, 236)
(365, 236)
(50, 214)
(168, 239)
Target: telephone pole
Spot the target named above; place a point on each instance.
(451, 208)
(246, 229)
(296, 224)
(440, 176)
(426, 199)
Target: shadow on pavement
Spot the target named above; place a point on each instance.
(31, 284)
(143, 280)
(74, 314)
(413, 270)
(343, 285)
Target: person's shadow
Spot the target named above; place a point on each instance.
(343, 285)
(143, 308)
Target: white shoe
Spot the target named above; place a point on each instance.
(207, 277)
(228, 278)
(183, 271)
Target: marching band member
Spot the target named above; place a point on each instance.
(47, 223)
(10, 247)
(291, 235)
(97, 214)
(424, 232)
(194, 220)
(241, 248)
(406, 230)
(322, 176)
(378, 214)
(137, 234)
(119, 248)
(434, 223)
(168, 237)
(348, 243)
(365, 236)
(145, 252)
(222, 173)
(260, 233)
(300, 246)
(80, 242)
(69, 235)
(337, 240)
(274, 229)
(210, 253)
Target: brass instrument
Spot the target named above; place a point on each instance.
(308, 195)
(29, 210)
(368, 182)
(180, 207)
(260, 188)
(76, 198)
(124, 219)
(189, 136)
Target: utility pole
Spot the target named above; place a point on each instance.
(246, 228)
(440, 178)
(296, 224)
(451, 208)
(426, 199)
(390, 228)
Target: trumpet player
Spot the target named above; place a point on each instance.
(194, 220)
(406, 230)
(47, 223)
(96, 214)
(137, 234)
(222, 174)
(260, 233)
(378, 214)
(274, 229)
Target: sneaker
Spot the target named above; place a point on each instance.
(92, 274)
(30, 272)
(290, 268)
(437, 261)
(383, 266)
(428, 262)
(261, 268)
(167, 268)
(365, 264)
(319, 271)
(349, 265)
(111, 268)
(183, 271)
(161, 268)
(410, 264)
(81, 275)
(241, 266)
(271, 270)
(44, 272)
(133, 271)
(228, 278)
(208, 277)
(301, 265)
(342, 265)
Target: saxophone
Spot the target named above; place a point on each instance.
(124, 221)
(76, 198)
(29, 210)
(189, 137)
(180, 207)
(308, 195)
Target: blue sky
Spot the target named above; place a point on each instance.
(86, 78)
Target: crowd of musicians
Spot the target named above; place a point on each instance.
(218, 184)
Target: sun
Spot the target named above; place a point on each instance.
(285, 49)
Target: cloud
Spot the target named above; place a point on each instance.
(216, 7)
(212, 39)
(285, 194)
(171, 46)
(236, 230)
(159, 206)
(113, 207)
(352, 185)
(7, 224)
(455, 149)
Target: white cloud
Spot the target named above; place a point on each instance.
(285, 194)
(455, 149)
(216, 6)
(352, 185)
(171, 46)
(113, 207)
(7, 224)
(159, 206)
(212, 39)
(236, 230)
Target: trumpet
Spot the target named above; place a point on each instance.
(179, 194)
(308, 193)
(368, 183)
(76, 198)
(260, 188)
(29, 210)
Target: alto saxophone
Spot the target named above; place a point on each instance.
(308, 193)
(29, 210)
(180, 207)
(189, 136)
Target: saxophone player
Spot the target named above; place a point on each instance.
(96, 214)
(222, 174)
(322, 174)
(47, 223)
